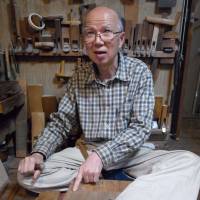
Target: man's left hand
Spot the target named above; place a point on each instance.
(89, 171)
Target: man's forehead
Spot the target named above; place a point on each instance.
(99, 23)
(101, 19)
(102, 15)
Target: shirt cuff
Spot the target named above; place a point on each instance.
(40, 152)
(105, 153)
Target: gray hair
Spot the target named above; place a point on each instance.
(121, 22)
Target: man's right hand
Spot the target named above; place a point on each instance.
(31, 165)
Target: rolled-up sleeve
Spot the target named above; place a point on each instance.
(61, 124)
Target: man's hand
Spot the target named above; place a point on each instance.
(31, 165)
(89, 171)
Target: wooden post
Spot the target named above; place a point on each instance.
(21, 125)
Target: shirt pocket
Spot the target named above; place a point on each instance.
(123, 116)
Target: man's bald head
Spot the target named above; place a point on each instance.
(108, 13)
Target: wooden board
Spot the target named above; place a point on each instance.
(158, 107)
(103, 190)
(164, 113)
(35, 93)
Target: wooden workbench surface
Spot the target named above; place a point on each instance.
(103, 190)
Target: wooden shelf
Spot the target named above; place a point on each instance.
(49, 56)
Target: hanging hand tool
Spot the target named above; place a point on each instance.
(14, 19)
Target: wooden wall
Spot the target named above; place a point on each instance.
(43, 72)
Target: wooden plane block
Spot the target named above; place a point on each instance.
(164, 21)
(161, 54)
(128, 26)
(171, 35)
(74, 32)
(37, 125)
(49, 105)
(158, 20)
(158, 107)
(35, 93)
(154, 38)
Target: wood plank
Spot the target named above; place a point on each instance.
(37, 125)
(35, 93)
(49, 104)
(158, 107)
(164, 113)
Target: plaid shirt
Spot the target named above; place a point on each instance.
(117, 113)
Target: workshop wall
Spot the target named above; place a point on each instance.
(44, 72)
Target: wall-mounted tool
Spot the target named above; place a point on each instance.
(166, 3)
(75, 30)
(14, 22)
(66, 47)
(52, 32)
(159, 50)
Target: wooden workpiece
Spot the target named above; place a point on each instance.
(35, 93)
(103, 190)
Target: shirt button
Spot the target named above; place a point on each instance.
(107, 125)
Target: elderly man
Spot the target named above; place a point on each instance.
(111, 102)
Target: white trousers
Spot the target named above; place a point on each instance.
(160, 175)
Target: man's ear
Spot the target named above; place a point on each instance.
(121, 39)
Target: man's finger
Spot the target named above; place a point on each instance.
(36, 174)
(96, 178)
(77, 181)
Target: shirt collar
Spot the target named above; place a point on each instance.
(121, 74)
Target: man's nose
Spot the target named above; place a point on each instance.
(98, 39)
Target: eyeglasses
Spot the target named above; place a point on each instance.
(106, 36)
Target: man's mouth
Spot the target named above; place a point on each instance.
(100, 52)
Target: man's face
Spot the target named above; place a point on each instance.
(100, 24)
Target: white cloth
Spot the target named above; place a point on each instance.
(3, 177)
(160, 175)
